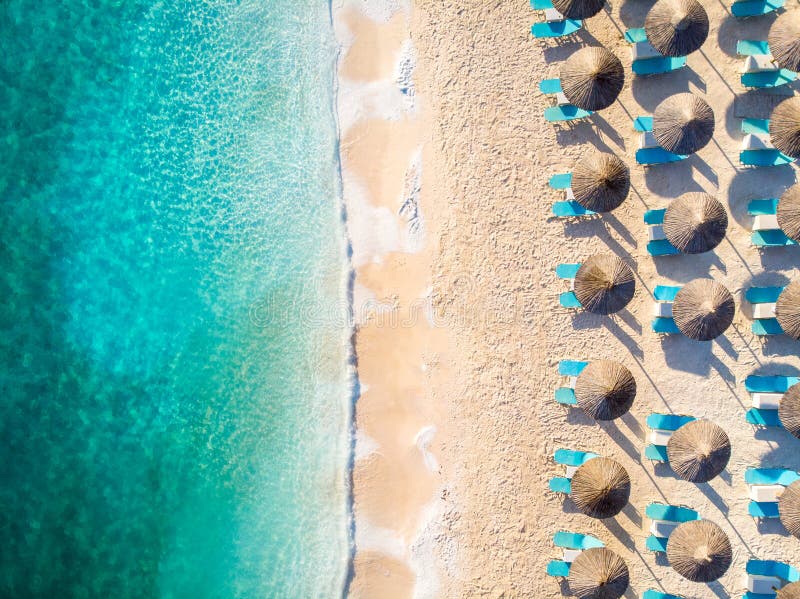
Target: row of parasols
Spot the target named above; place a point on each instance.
(679, 27)
(703, 309)
(592, 79)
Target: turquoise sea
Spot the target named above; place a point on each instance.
(175, 419)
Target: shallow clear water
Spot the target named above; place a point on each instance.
(169, 185)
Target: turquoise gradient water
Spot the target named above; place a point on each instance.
(169, 184)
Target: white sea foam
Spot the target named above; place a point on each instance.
(380, 10)
(381, 540)
(425, 552)
(423, 441)
(365, 445)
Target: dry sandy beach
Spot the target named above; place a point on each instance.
(446, 156)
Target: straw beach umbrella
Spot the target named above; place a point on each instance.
(592, 78)
(699, 550)
(784, 127)
(784, 41)
(698, 451)
(789, 410)
(578, 9)
(695, 223)
(789, 508)
(789, 212)
(787, 310)
(676, 27)
(790, 591)
(598, 573)
(683, 123)
(604, 284)
(600, 182)
(600, 488)
(703, 309)
(605, 389)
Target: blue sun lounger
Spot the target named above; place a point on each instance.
(764, 295)
(744, 9)
(572, 543)
(569, 368)
(764, 502)
(766, 393)
(568, 299)
(768, 157)
(572, 460)
(568, 208)
(766, 231)
(646, 60)
(665, 518)
(763, 576)
(563, 110)
(657, 244)
(663, 324)
(752, 48)
(649, 155)
(654, 594)
(661, 427)
(768, 79)
(555, 28)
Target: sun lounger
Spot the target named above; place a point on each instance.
(541, 4)
(556, 28)
(572, 544)
(662, 323)
(768, 79)
(763, 576)
(661, 428)
(752, 47)
(764, 158)
(572, 458)
(754, 8)
(569, 208)
(763, 300)
(665, 518)
(766, 484)
(646, 60)
(657, 66)
(550, 86)
(643, 124)
(755, 126)
(571, 369)
(654, 594)
(567, 112)
(769, 384)
(766, 230)
(657, 244)
(568, 299)
(653, 156)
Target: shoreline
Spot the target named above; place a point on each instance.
(394, 445)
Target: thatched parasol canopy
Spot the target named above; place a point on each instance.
(695, 223)
(703, 309)
(790, 591)
(698, 451)
(787, 310)
(789, 508)
(604, 284)
(605, 389)
(789, 212)
(592, 78)
(699, 550)
(784, 41)
(676, 27)
(600, 182)
(600, 488)
(578, 9)
(598, 573)
(789, 410)
(683, 123)
(784, 127)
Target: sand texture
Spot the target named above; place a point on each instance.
(489, 255)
